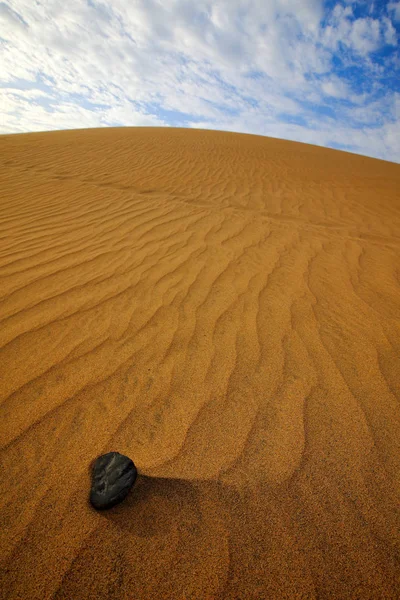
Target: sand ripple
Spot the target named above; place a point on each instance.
(225, 309)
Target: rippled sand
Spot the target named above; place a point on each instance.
(225, 309)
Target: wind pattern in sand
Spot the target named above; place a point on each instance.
(225, 310)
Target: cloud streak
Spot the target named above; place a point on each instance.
(315, 72)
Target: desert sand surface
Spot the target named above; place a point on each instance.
(225, 310)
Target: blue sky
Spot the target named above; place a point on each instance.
(325, 73)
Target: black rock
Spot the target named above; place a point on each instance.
(113, 475)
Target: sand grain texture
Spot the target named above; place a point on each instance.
(225, 310)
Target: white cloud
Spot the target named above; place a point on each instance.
(365, 35)
(394, 8)
(335, 87)
(11, 20)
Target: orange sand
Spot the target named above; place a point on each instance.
(225, 309)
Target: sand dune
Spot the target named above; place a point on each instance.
(225, 310)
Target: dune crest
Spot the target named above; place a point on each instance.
(225, 310)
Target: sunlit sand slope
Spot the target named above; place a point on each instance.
(225, 309)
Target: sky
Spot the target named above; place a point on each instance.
(314, 71)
